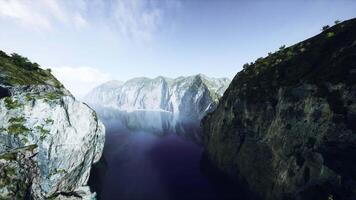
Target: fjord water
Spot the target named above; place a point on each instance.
(141, 165)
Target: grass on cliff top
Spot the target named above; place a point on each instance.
(329, 57)
(16, 70)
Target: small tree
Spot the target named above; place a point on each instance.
(259, 60)
(3, 54)
(24, 62)
(282, 47)
(326, 27)
(337, 22)
(245, 66)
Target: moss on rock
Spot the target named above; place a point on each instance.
(284, 125)
(17, 71)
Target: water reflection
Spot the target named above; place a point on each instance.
(141, 165)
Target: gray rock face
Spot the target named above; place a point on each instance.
(286, 124)
(158, 105)
(48, 140)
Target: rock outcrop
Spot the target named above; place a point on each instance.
(158, 105)
(48, 140)
(286, 125)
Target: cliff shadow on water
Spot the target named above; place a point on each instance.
(144, 165)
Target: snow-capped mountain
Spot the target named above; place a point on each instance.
(158, 105)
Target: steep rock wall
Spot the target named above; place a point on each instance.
(286, 124)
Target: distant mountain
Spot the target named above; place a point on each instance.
(158, 105)
(286, 126)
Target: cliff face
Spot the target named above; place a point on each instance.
(286, 125)
(48, 140)
(158, 105)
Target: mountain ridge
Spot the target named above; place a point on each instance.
(176, 103)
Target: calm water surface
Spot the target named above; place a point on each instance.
(142, 166)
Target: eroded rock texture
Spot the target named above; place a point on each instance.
(48, 140)
(286, 124)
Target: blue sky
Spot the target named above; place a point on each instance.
(87, 42)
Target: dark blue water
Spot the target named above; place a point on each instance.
(146, 166)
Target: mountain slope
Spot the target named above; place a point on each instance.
(160, 104)
(286, 124)
(48, 140)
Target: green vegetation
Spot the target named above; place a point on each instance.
(245, 66)
(43, 132)
(49, 121)
(325, 27)
(28, 97)
(330, 34)
(31, 147)
(19, 120)
(50, 96)
(17, 129)
(18, 70)
(331, 197)
(12, 154)
(9, 156)
(301, 63)
(17, 126)
(11, 104)
(57, 171)
(58, 85)
(95, 116)
(12, 176)
(61, 171)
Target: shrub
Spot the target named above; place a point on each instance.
(325, 27)
(24, 62)
(337, 22)
(282, 47)
(11, 104)
(49, 121)
(53, 96)
(330, 34)
(20, 120)
(17, 129)
(245, 66)
(43, 132)
(3, 54)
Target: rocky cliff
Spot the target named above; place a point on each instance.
(286, 125)
(158, 105)
(48, 140)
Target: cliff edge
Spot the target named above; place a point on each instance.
(286, 125)
(48, 140)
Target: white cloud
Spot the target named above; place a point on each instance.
(79, 21)
(140, 19)
(133, 19)
(137, 20)
(22, 11)
(80, 80)
(42, 14)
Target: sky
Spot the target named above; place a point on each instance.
(88, 42)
